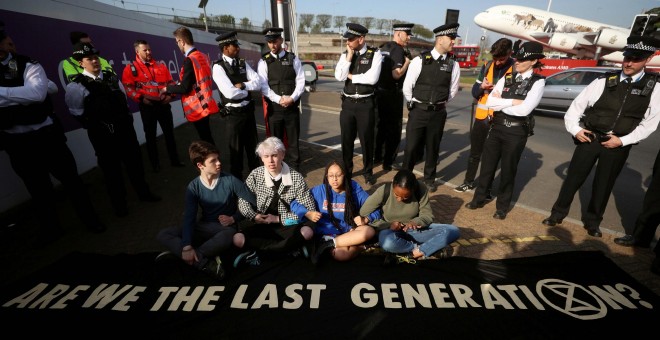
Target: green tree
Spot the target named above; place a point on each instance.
(422, 32)
(316, 29)
(323, 20)
(354, 20)
(340, 20)
(267, 24)
(381, 24)
(368, 22)
(245, 23)
(227, 19)
(306, 20)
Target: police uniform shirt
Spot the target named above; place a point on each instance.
(526, 107)
(415, 67)
(370, 77)
(34, 90)
(229, 90)
(262, 70)
(592, 93)
(76, 93)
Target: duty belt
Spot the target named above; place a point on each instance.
(357, 99)
(430, 107)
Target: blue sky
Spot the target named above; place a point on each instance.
(430, 13)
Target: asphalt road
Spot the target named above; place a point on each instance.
(541, 169)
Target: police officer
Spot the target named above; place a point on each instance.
(94, 97)
(70, 67)
(143, 79)
(235, 79)
(513, 99)
(648, 220)
(396, 58)
(359, 69)
(195, 85)
(490, 74)
(36, 144)
(282, 85)
(617, 111)
(432, 80)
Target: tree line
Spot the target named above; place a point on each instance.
(319, 23)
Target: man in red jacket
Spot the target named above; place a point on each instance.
(143, 78)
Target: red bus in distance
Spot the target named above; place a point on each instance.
(467, 56)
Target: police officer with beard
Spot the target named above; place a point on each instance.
(606, 119)
(36, 144)
(235, 79)
(389, 96)
(95, 98)
(432, 80)
(359, 69)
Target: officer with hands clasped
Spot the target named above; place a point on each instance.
(282, 85)
(235, 79)
(143, 78)
(359, 69)
(606, 119)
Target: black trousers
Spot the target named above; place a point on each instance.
(151, 116)
(649, 218)
(238, 137)
(478, 136)
(390, 120)
(274, 239)
(424, 132)
(37, 155)
(203, 127)
(357, 119)
(504, 145)
(117, 150)
(286, 121)
(610, 162)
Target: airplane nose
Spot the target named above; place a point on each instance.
(480, 19)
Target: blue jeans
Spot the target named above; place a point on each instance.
(430, 239)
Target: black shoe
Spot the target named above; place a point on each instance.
(150, 197)
(396, 167)
(248, 258)
(595, 232)
(655, 266)
(178, 164)
(387, 168)
(121, 211)
(551, 222)
(321, 249)
(474, 205)
(626, 241)
(214, 268)
(499, 215)
(156, 168)
(431, 185)
(369, 179)
(489, 198)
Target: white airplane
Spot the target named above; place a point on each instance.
(583, 38)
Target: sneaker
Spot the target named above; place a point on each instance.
(322, 248)
(166, 255)
(443, 253)
(214, 268)
(465, 187)
(249, 258)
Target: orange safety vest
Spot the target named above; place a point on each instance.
(141, 80)
(482, 111)
(199, 102)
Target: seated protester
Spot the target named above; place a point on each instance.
(406, 228)
(201, 242)
(337, 207)
(276, 229)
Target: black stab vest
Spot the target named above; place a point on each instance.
(281, 74)
(360, 64)
(434, 79)
(13, 115)
(236, 74)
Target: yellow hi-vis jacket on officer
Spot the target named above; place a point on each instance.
(144, 80)
(72, 68)
(199, 102)
(482, 111)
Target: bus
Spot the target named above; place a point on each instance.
(467, 56)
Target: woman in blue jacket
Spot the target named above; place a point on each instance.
(338, 205)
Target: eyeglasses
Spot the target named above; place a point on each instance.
(338, 176)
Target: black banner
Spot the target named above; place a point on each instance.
(562, 295)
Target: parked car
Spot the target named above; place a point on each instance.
(562, 87)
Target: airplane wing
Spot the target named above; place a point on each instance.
(541, 37)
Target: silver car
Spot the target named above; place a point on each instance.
(562, 87)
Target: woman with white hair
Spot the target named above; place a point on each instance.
(276, 229)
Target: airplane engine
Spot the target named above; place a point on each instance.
(563, 42)
(611, 39)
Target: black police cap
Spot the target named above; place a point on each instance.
(227, 38)
(272, 33)
(81, 50)
(355, 30)
(450, 30)
(640, 46)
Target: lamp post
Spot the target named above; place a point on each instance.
(202, 5)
